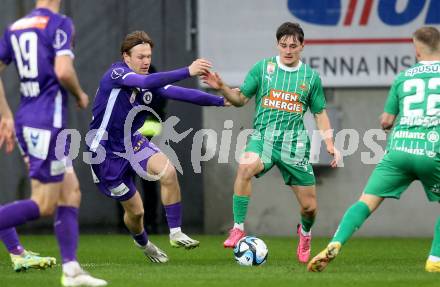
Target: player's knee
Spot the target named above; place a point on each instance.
(136, 215)
(169, 176)
(46, 209)
(71, 197)
(309, 209)
(75, 197)
(245, 171)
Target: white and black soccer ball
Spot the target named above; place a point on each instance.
(250, 251)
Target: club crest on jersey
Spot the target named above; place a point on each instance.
(117, 73)
(303, 87)
(147, 97)
(270, 68)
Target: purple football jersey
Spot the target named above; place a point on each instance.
(121, 90)
(32, 43)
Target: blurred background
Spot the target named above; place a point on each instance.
(357, 46)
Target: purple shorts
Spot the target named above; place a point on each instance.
(38, 144)
(115, 176)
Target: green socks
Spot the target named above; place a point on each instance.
(352, 220)
(239, 206)
(435, 249)
(307, 223)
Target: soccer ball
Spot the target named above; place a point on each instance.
(250, 251)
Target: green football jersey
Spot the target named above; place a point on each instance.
(282, 96)
(415, 98)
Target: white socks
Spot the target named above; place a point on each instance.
(175, 230)
(433, 258)
(239, 226)
(71, 268)
(306, 233)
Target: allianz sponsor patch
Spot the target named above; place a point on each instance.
(119, 190)
(57, 167)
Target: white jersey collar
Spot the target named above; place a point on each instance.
(288, 69)
(429, 62)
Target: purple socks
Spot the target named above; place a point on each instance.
(174, 214)
(17, 213)
(141, 239)
(10, 239)
(66, 231)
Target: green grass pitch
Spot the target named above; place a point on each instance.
(363, 262)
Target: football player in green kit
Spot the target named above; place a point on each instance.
(413, 106)
(284, 89)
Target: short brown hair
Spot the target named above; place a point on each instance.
(429, 36)
(133, 39)
(290, 29)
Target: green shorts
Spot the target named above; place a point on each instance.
(397, 170)
(296, 170)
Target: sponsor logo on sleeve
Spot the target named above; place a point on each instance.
(117, 73)
(60, 39)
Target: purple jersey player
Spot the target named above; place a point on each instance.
(124, 87)
(40, 45)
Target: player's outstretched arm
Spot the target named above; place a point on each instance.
(7, 130)
(191, 96)
(234, 96)
(66, 75)
(323, 124)
(161, 79)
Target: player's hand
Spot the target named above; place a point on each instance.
(226, 102)
(213, 80)
(199, 67)
(82, 101)
(335, 154)
(7, 133)
(26, 162)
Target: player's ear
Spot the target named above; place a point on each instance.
(126, 57)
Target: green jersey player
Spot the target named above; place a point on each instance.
(413, 105)
(284, 89)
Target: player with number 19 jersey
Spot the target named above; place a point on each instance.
(32, 43)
